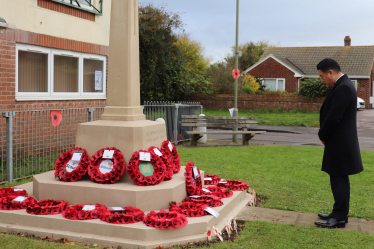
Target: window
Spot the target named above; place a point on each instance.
(53, 74)
(355, 83)
(275, 84)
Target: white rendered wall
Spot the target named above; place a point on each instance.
(27, 16)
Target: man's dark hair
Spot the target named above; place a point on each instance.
(328, 64)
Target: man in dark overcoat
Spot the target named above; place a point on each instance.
(338, 132)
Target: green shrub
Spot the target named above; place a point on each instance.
(247, 89)
(313, 88)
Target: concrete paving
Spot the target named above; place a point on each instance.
(299, 218)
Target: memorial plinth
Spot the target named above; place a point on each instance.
(120, 194)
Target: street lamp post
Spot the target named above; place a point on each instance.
(235, 114)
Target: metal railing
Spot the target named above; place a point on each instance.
(171, 112)
(29, 142)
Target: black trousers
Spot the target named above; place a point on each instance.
(340, 187)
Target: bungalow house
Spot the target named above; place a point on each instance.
(53, 51)
(282, 68)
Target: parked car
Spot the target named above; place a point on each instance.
(360, 103)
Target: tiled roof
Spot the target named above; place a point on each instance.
(353, 60)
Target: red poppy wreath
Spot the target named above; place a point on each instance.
(106, 170)
(84, 212)
(193, 179)
(12, 191)
(234, 185)
(125, 216)
(47, 207)
(211, 179)
(170, 150)
(169, 165)
(189, 209)
(165, 219)
(146, 173)
(221, 192)
(15, 202)
(211, 200)
(69, 170)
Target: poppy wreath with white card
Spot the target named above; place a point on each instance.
(189, 209)
(47, 207)
(163, 219)
(214, 181)
(169, 165)
(15, 202)
(170, 150)
(210, 200)
(84, 212)
(234, 185)
(193, 179)
(12, 191)
(146, 172)
(107, 166)
(125, 216)
(221, 192)
(69, 170)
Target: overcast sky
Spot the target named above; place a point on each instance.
(285, 23)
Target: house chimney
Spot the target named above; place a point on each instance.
(347, 41)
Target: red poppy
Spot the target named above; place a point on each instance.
(235, 73)
(234, 185)
(56, 117)
(125, 216)
(169, 149)
(193, 185)
(209, 233)
(165, 219)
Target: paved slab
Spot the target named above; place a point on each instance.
(299, 218)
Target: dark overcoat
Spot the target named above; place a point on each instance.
(338, 130)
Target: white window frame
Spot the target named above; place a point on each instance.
(276, 82)
(355, 83)
(82, 5)
(50, 95)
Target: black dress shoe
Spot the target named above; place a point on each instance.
(331, 223)
(328, 216)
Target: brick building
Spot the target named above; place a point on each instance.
(282, 68)
(53, 51)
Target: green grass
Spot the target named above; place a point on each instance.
(275, 117)
(290, 177)
(259, 234)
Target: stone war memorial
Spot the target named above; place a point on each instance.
(122, 184)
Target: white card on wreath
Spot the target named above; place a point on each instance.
(208, 179)
(195, 172)
(223, 181)
(20, 198)
(206, 190)
(157, 151)
(117, 208)
(145, 156)
(88, 207)
(108, 154)
(211, 211)
(170, 147)
(76, 156)
(195, 196)
(17, 189)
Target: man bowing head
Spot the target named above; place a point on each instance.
(338, 132)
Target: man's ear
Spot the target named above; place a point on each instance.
(330, 72)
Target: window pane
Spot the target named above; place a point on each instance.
(281, 85)
(65, 74)
(32, 72)
(271, 84)
(92, 75)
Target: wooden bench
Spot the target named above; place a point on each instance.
(244, 123)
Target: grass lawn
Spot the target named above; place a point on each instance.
(291, 179)
(275, 117)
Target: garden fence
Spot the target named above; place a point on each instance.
(30, 143)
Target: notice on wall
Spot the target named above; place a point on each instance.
(98, 80)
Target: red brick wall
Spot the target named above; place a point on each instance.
(256, 102)
(364, 90)
(270, 68)
(48, 4)
(8, 42)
